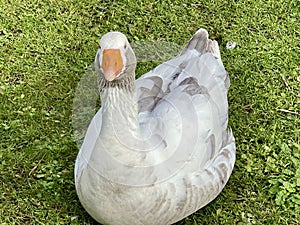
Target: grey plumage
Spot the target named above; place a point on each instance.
(159, 148)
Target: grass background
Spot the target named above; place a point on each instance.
(45, 47)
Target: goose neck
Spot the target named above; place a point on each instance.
(119, 111)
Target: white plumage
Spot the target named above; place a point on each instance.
(159, 148)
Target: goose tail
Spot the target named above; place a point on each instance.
(201, 43)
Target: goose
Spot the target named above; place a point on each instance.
(159, 148)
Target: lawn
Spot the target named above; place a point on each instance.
(46, 47)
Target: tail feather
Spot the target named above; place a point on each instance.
(203, 44)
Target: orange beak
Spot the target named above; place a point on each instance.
(112, 63)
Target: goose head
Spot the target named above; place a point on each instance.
(115, 58)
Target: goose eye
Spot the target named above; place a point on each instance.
(99, 47)
(125, 46)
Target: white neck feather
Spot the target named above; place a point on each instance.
(119, 112)
(120, 131)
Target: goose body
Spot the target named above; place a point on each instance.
(159, 148)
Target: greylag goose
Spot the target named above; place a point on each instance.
(159, 148)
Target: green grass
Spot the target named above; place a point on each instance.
(47, 45)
